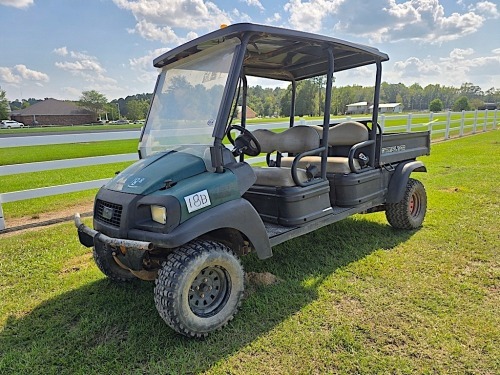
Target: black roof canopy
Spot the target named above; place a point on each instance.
(279, 53)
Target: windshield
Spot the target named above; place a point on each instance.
(186, 102)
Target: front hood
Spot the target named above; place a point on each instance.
(149, 175)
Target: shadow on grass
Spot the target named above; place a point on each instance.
(114, 328)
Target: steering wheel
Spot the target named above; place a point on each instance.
(245, 143)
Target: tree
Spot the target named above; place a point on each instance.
(93, 101)
(461, 104)
(4, 106)
(137, 109)
(436, 105)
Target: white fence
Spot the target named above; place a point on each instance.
(445, 124)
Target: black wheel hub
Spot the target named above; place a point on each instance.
(209, 291)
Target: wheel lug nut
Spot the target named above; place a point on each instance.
(202, 295)
(205, 280)
(197, 288)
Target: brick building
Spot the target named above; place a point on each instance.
(53, 112)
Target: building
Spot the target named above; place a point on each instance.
(54, 112)
(389, 108)
(250, 112)
(357, 108)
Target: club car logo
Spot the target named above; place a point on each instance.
(107, 213)
(391, 149)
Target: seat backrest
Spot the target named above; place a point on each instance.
(294, 140)
(347, 134)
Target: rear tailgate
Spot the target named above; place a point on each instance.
(397, 147)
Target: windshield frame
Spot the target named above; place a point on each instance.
(171, 132)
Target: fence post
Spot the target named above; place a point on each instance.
(2, 220)
(462, 123)
(408, 123)
(475, 122)
(485, 125)
(382, 122)
(447, 130)
(495, 119)
(431, 119)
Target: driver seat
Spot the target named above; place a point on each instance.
(295, 140)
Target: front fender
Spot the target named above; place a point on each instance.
(237, 214)
(400, 177)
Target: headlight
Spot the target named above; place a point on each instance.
(159, 214)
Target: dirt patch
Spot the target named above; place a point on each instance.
(261, 278)
(49, 218)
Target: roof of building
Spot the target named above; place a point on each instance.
(52, 107)
(358, 104)
(387, 105)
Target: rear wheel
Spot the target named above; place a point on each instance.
(408, 213)
(104, 260)
(199, 288)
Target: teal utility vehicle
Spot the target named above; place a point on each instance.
(192, 205)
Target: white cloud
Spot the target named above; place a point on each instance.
(486, 9)
(275, 18)
(461, 65)
(389, 20)
(240, 16)
(83, 65)
(63, 51)
(31, 75)
(144, 65)
(8, 76)
(18, 73)
(158, 19)
(308, 16)
(17, 3)
(255, 3)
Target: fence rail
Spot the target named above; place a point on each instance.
(446, 124)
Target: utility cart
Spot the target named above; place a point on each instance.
(192, 205)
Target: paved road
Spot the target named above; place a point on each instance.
(30, 134)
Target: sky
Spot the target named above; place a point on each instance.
(59, 48)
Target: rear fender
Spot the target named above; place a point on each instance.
(400, 177)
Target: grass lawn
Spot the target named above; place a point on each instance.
(356, 297)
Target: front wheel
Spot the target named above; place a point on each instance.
(409, 212)
(104, 260)
(199, 288)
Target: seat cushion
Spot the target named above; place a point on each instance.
(334, 164)
(275, 176)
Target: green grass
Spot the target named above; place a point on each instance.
(356, 297)
(87, 128)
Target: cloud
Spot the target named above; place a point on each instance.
(8, 76)
(388, 20)
(63, 51)
(159, 19)
(486, 9)
(308, 16)
(144, 65)
(18, 73)
(274, 19)
(21, 4)
(31, 75)
(255, 3)
(83, 65)
(461, 65)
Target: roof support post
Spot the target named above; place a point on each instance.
(373, 132)
(326, 115)
(292, 104)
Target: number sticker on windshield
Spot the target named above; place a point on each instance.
(197, 201)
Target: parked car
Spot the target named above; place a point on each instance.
(119, 122)
(8, 124)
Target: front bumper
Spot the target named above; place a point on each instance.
(88, 236)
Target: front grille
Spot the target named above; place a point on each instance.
(107, 212)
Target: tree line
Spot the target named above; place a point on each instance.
(274, 102)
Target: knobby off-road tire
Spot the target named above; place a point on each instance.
(409, 213)
(199, 288)
(106, 263)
